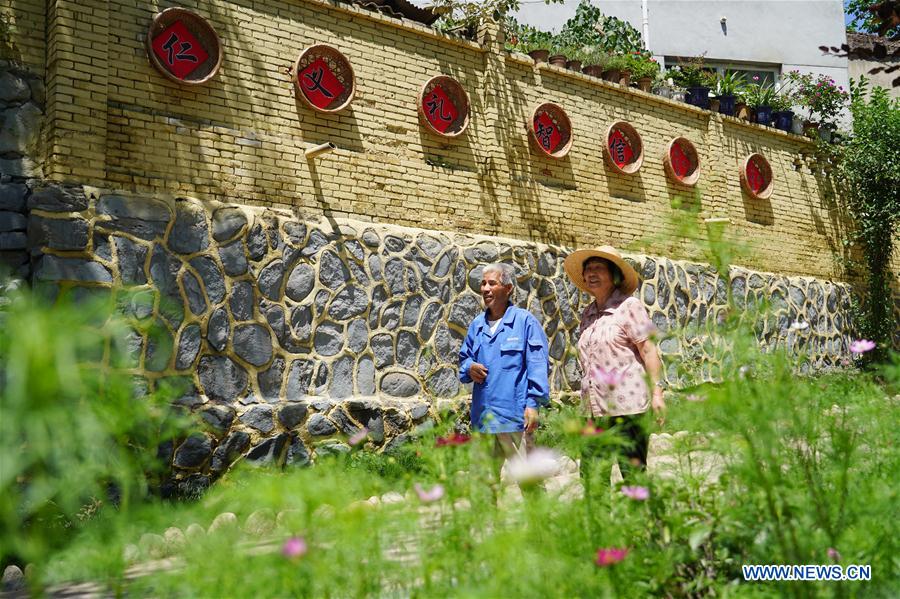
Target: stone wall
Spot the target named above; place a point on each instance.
(114, 122)
(288, 334)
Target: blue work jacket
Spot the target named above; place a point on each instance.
(517, 363)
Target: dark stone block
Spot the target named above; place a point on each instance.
(407, 349)
(212, 277)
(270, 380)
(12, 196)
(319, 426)
(329, 338)
(383, 349)
(270, 279)
(314, 243)
(349, 302)
(14, 241)
(57, 234)
(342, 377)
(253, 343)
(301, 322)
(142, 217)
(365, 376)
(482, 254)
(332, 271)
(259, 418)
(299, 379)
(196, 300)
(370, 238)
(228, 223)
(394, 243)
(459, 276)
(218, 329)
(399, 384)
(190, 232)
(343, 421)
(219, 418)
(234, 260)
(390, 317)
(464, 310)
(375, 267)
(132, 258)
(297, 454)
(221, 378)
(300, 282)
(54, 268)
(292, 414)
(194, 452)
(241, 300)
(235, 445)
(53, 198)
(257, 244)
(443, 383)
(447, 343)
(430, 317)
(270, 452)
(188, 347)
(159, 348)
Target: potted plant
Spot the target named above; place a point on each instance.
(613, 68)
(558, 54)
(643, 70)
(693, 76)
(594, 61)
(726, 91)
(782, 102)
(820, 96)
(576, 59)
(533, 42)
(759, 96)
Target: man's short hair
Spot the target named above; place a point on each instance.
(506, 271)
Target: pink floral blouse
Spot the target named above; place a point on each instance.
(614, 381)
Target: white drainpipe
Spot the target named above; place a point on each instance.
(645, 23)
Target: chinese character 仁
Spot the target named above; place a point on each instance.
(182, 54)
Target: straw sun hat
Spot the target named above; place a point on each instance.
(574, 265)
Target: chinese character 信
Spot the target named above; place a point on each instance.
(182, 54)
(315, 82)
(618, 148)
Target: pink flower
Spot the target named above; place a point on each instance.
(294, 547)
(694, 397)
(861, 346)
(537, 465)
(610, 556)
(590, 429)
(636, 493)
(452, 440)
(833, 554)
(431, 495)
(610, 378)
(358, 437)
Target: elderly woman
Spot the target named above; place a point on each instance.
(615, 350)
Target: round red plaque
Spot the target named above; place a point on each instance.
(324, 78)
(184, 47)
(551, 130)
(756, 176)
(444, 106)
(624, 149)
(682, 162)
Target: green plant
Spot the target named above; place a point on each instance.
(692, 73)
(617, 62)
(643, 65)
(595, 56)
(77, 435)
(819, 95)
(870, 163)
(468, 15)
(590, 27)
(729, 83)
(757, 94)
(525, 38)
(782, 100)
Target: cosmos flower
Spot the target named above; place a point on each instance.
(358, 437)
(861, 346)
(609, 556)
(610, 378)
(452, 440)
(431, 495)
(539, 464)
(834, 554)
(294, 547)
(636, 493)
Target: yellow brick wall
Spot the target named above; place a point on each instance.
(116, 122)
(22, 39)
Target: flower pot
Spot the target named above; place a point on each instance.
(611, 75)
(742, 111)
(727, 105)
(764, 115)
(797, 125)
(558, 60)
(594, 70)
(699, 96)
(783, 119)
(574, 65)
(539, 55)
(645, 83)
(825, 133)
(714, 104)
(625, 78)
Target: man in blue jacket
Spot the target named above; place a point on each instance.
(505, 356)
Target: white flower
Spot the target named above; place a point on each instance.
(539, 464)
(799, 325)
